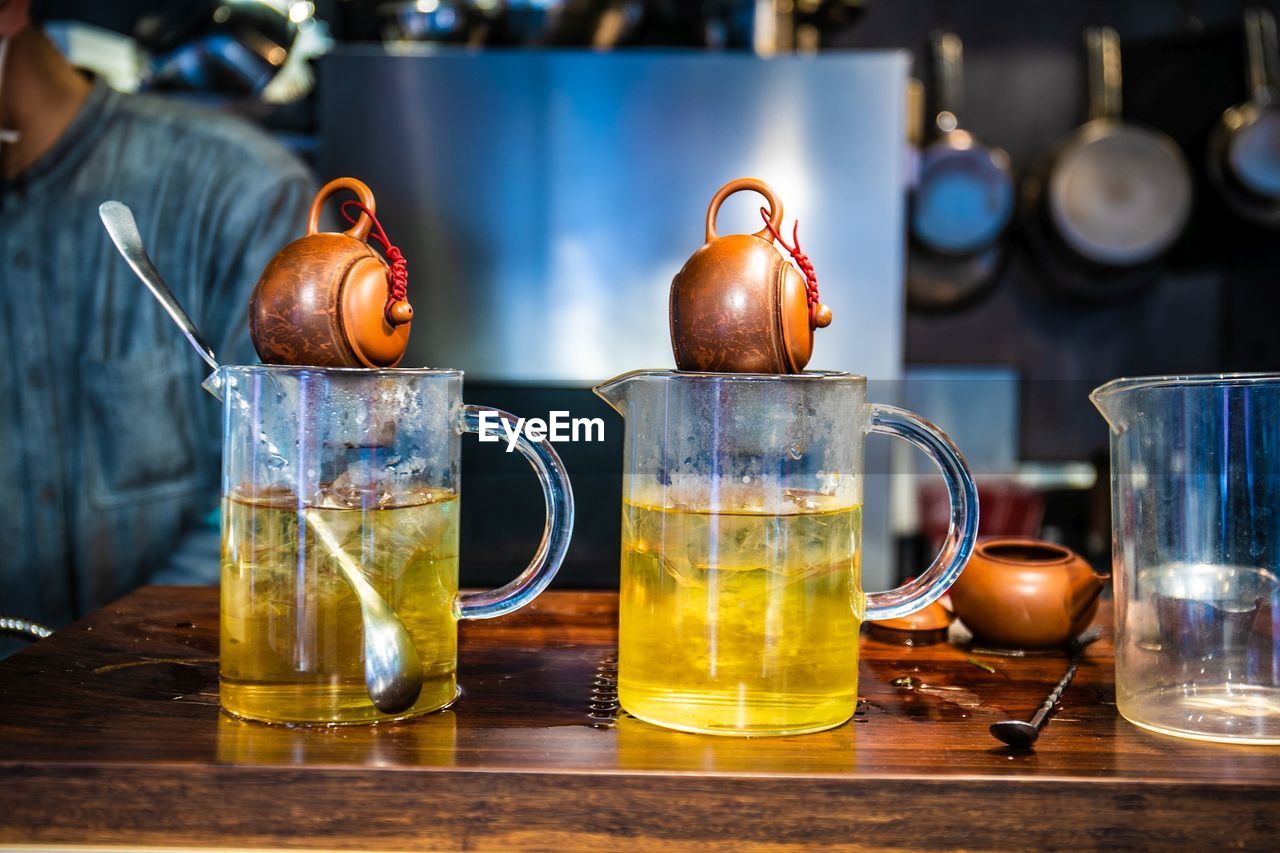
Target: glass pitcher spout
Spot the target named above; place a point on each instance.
(214, 383)
(617, 391)
(1115, 399)
(1105, 399)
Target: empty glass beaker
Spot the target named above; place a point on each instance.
(741, 597)
(1195, 514)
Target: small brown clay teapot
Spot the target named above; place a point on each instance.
(738, 305)
(1026, 594)
(326, 300)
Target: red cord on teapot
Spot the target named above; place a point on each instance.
(802, 260)
(398, 267)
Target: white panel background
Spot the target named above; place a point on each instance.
(546, 198)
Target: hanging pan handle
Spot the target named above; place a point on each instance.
(948, 69)
(1262, 48)
(1102, 45)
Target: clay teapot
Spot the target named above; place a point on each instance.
(1026, 594)
(739, 305)
(326, 299)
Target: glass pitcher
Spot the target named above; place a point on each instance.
(331, 476)
(1195, 516)
(741, 598)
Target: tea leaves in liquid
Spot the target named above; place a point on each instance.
(741, 622)
(292, 645)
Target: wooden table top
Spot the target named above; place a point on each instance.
(110, 734)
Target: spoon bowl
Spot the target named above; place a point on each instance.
(1016, 733)
(392, 669)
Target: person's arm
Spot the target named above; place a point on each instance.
(254, 227)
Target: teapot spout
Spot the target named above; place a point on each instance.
(1087, 593)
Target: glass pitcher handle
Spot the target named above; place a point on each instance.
(555, 535)
(962, 531)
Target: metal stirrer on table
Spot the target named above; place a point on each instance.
(1023, 735)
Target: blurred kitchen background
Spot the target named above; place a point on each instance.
(545, 165)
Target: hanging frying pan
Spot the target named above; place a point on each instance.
(1114, 197)
(962, 202)
(1244, 149)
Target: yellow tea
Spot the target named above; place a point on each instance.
(744, 621)
(292, 644)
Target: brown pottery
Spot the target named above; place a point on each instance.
(739, 305)
(1026, 594)
(324, 299)
(922, 628)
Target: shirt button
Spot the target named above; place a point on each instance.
(48, 494)
(22, 259)
(36, 378)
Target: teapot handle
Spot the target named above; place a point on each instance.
(361, 229)
(775, 206)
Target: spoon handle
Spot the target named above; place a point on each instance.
(1052, 699)
(1077, 647)
(122, 228)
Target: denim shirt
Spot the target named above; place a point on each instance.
(109, 448)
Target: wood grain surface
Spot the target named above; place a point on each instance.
(110, 734)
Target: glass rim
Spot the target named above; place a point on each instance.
(1132, 383)
(300, 369)
(806, 376)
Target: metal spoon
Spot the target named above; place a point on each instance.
(392, 670)
(1023, 735)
